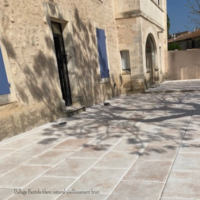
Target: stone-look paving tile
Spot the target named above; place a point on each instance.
(47, 188)
(4, 168)
(71, 167)
(159, 153)
(99, 180)
(149, 171)
(183, 185)
(21, 176)
(92, 151)
(191, 137)
(51, 141)
(135, 145)
(170, 131)
(5, 152)
(50, 157)
(33, 149)
(72, 144)
(137, 191)
(6, 193)
(14, 160)
(108, 139)
(190, 148)
(187, 161)
(150, 129)
(194, 125)
(160, 140)
(18, 143)
(83, 196)
(117, 160)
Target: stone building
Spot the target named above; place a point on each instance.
(79, 51)
(142, 33)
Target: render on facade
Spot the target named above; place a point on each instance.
(79, 53)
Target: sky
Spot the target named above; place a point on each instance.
(178, 14)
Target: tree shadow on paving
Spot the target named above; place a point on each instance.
(102, 123)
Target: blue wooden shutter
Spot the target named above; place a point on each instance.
(103, 59)
(4, 85)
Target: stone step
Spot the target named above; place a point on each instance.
(73, 110)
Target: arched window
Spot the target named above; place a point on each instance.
(151, 59)
(150, 53)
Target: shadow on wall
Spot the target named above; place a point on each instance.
(87, 74)
(35, 86)
(41, 90)
(40, 75)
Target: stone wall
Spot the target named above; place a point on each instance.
(135, 21)
(129, 34)
(183, 65)
(27, 38)
(160, 40)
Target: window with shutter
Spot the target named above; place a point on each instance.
(103, 59)
(4, 85)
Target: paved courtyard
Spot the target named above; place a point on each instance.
(140, 147)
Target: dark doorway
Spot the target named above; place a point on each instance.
(150, 59)
(62, 62)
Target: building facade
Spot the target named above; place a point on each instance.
(141, 26)
(82, 52)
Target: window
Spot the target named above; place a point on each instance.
(125, 60)
(4, 85)
(103, 58)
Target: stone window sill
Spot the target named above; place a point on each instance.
(7, 99)
(104, 80)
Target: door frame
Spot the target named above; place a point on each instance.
(63, 66)
(56, 13)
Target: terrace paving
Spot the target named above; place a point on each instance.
(140, 147)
